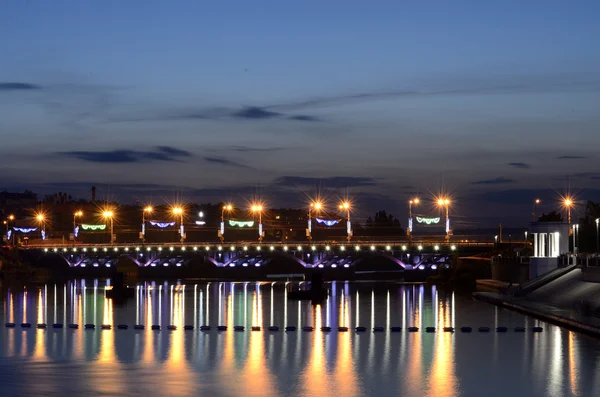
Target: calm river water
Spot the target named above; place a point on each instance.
(62, 362)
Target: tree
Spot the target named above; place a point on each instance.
(383, 224)
(551, 217)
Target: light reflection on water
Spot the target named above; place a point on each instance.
(555, 363)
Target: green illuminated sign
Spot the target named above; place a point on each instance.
(93, 227)
(428, 221)
(241, 223)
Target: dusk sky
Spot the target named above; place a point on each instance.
(495, 102)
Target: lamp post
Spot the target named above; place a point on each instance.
(346, 206)
(526, 239)
(568, 203)
(414, 201)
(536, 202)
(42, 221)
(179, 211)
(76, 214)
(259, 208)
(316, 206)
(444, 203)
(597, 236)
(109, 215)
(7, 222)
(148, 210)
(228, 208)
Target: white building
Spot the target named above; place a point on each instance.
(550, 240)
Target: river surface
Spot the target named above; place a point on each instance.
(61, 362)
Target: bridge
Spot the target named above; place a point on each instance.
(252, 258)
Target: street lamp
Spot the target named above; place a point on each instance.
(575, 232)
(346, 206)
(7, 222)
(536, 202)
(568, 203)
(228, 208)
(109, 215)
(412, 202)
(179, 211)
(148, 210)
(444, 202)
(597, 236)
(258, 208)
(76, 214)
(315, 206)
(41, 220)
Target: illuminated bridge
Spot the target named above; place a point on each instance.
(261, 260)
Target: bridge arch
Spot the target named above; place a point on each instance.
(380, 262)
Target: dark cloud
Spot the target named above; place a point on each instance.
(570, 157)
(520, 165)
(302, 117)
(495, 181)
(17, 86)
(222, 161)
(161, 153)
(246, 149)
(331, 182)
(254, 112)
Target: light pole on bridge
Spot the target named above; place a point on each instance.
(109, 215)
(76, 214)
(148, 210)
(346, 206)
(228, 208)
(259, 208)
(412, 202)
(179, 211)
(535, 202)
(444, 203)
(316, 206)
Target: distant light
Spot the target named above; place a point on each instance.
(327, 248)
(314, 248)
(299, 248)
(420, 247)
(245, 248)
(272, 248)
(387, 248)
(285, 248)
(171, 248)
(357, 248)
(404, 248)
(436, 247)
(372, 248)
(201, 214)
(343, 248)
(453, 247)
(433, 267)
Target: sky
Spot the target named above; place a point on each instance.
(494, 103)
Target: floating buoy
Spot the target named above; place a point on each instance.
(139, 326)
(10, 325)
(448, 329)
(74, 326)
(291, 328)
(360, 329)
(380, 329)
(519, 329)
(396, 329)
(239, 328)
(222, 328)
(308, 328)
(106, 326)
(188, 327)
(430, 329)
(273, 328)
(155, 327)
(466, 329)
(205, 328)
(484, 329)
(26, 325)
(413, 329)
(42, 326)
(89, 326)
(255, 328)
(122, 326)
(326, 329)
(537, 329)
(342, 329)
(501, 329)
(172, 327)
(57, 325)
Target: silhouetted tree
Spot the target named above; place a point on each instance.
(551, 217)
(383, 224)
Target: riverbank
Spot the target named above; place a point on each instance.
(567, 318)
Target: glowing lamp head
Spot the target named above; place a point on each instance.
(148, 209)
(568, 202)
(40, 217)
(345, 205)
(227, 207)
(316, 205)
(11, 217)
(257, 208)
(537, 201)
(178, 210)
(78, 213)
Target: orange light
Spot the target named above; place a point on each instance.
(345, 205)
(107, 214)
(148, 209)
(11, 217)
(40, 217)
(78, 213)
(537, 201)
(178, 210)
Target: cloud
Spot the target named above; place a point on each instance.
(161, 153)
(18, 86)
(222, 161)
(254, 112)
(495, 181)
(570, 157)
(246, 149)
(302, 117)
(332, 182)
(520, 165)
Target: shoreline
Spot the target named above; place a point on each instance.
(583, 324)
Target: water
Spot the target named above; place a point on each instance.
(556, 362)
